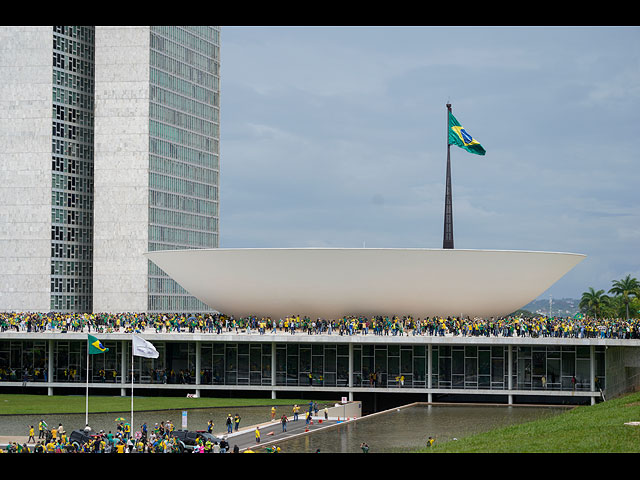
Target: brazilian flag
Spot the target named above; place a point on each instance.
(459, 136)
(95, 346)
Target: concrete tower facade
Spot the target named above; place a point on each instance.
(111, 149)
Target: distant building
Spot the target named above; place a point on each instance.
(110, 148)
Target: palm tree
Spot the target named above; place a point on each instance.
(627, 287)
(613, 309)
(593, 301)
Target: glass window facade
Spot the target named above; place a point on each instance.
(184, 137)
(72, 169)
(304, 364)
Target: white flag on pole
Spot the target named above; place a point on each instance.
(142, 348)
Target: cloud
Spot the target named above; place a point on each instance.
(336, 136)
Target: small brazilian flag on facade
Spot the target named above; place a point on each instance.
(459, 136)
(95, 346)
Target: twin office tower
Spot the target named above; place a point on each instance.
(109, 147)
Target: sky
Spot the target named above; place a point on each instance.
(336, 137)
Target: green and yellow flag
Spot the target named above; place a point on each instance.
(459, 136)
(95, 346)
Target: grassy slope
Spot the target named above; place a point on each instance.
(588, 429)
(33, 404)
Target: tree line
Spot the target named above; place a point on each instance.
(621, 301)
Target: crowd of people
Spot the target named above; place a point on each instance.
(159, 439)
(577, 326)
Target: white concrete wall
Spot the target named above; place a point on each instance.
(121, 207)
(622, 371)
(25, 167)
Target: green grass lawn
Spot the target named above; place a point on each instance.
(41, 404)
(587, 429)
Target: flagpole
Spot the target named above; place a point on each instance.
(86, 416)
(447, 240)
(131, 428)
(140, 348)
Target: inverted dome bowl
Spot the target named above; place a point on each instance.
(332, 282)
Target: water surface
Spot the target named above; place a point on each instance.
(407, 429)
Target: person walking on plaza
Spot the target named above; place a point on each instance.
(257, 434)
(273, 413)
(229, 424)
(31, 435)
(236, 422)
(284, 421)
(296, 410)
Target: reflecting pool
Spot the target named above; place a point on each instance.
(407, 429)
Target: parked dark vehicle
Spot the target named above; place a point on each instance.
(187, 439)
(80, 437)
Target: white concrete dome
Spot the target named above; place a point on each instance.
(331, 282)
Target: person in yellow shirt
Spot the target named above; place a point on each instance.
(31, 438)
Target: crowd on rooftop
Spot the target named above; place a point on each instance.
(577, 326)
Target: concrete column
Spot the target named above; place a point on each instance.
(429, 371)
(350, 383)
(123, 368)
(198, 362)
(592, 371)
(350, 365)
(50, 368)
(273, 369)
(510, 372)
(198, 367)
